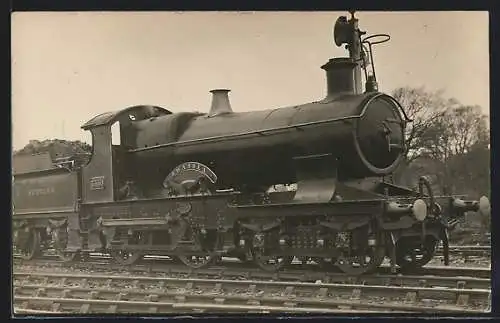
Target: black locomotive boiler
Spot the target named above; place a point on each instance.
(198, 186)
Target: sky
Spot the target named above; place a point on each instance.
(68, 67)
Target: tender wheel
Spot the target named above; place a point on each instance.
(358, 256)
(126, 257)
(27, 243)
(59, 238)
(412, 255)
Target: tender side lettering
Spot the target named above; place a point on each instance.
(41, 191)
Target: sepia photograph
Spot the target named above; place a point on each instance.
(240, 162)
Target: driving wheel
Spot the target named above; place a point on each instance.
(129, 257)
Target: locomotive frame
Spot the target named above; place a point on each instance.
(339, 216)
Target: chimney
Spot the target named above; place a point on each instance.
(339, 76)
(220, 103)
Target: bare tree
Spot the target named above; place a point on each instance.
(447, 140)
(424, 108)
(458, 141)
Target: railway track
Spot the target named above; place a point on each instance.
(46, 297)
(79, 293)
(432, 276)
(474, 251)
(98, 261)
(233, 269)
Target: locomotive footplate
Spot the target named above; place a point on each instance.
(292, 208)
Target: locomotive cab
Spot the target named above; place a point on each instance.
(108, 175)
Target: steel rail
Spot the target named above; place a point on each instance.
(471, 249)
(292, 275)
(135, 307)
(19, 310)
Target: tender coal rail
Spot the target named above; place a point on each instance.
(76, 293)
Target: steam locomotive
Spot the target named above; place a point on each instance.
(199, 186)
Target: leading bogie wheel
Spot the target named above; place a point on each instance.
(412, 254)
